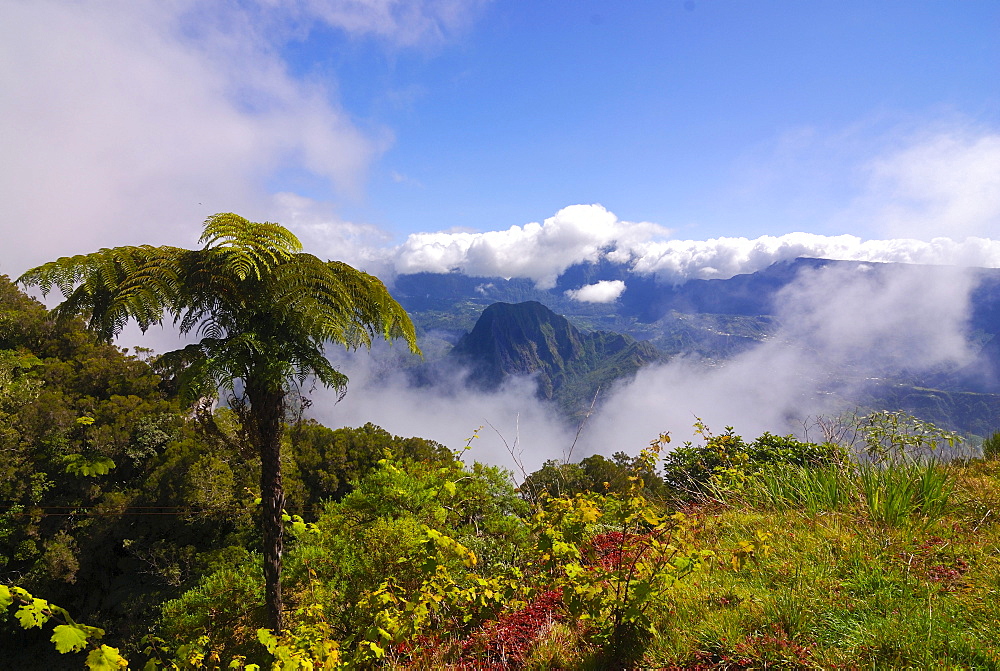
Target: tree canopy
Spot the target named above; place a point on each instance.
(263, 311)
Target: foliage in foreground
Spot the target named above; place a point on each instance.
(444, 565)
(788, 553)
(261, 311)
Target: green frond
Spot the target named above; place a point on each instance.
(111, 286)
(347, 306)
(252, 248)
(262, 309)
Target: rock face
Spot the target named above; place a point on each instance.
(529, 339)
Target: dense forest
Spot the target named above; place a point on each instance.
(130, 529)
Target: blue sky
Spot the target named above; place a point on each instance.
(362, 123)
(687, 139)
(658, 110)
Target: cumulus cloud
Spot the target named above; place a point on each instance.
(678, 260)
(605, 291)
(541, 252)
(590, 233)
(934, 192)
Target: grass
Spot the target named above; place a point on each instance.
(852, 567)
(866, 568)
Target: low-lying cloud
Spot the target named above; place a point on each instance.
(511, 427)
(591, 233)
(605, 291)
(840, 326)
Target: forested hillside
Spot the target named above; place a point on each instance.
(124, 511)
(569, 366)
(113, 497)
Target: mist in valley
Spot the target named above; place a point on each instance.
(840, 327)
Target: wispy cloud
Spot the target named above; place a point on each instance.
(131, 122)
(132, 128)
(404, 23)
(942, 182)
(838, 326)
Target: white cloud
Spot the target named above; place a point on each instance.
(324, 234)
(944, 182)
(678, 260)
(589, 233)
(448, 412)
(605, 291)
(839, 325)
(541, 252)
(131, 122)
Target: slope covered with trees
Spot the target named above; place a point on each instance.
(262, 311)
(137, 515)
(114, 495)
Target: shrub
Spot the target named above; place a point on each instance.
(991, 446)
(723, 462)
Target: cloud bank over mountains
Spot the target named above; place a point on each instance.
(838, 326)
(590, 233)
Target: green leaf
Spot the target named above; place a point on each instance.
(105, 658)
(33, 614)
(69, 638)
(78, 464)
(267, 639)
(5, 598)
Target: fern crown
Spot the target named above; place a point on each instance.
(262, 308)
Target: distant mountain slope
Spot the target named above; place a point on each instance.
(530, 339)
(713, 320)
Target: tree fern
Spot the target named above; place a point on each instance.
(263, 311)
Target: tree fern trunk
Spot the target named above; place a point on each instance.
(266, 411)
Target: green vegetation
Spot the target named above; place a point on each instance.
(137, 516)
(263, 311)
(991, 446)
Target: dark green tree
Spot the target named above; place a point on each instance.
(263, 311)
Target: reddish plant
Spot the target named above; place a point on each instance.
(504, 643)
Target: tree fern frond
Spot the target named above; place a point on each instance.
(251, 248)
(258, 304)
(108, 287)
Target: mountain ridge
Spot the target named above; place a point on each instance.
(709, 320)
(527, 338)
